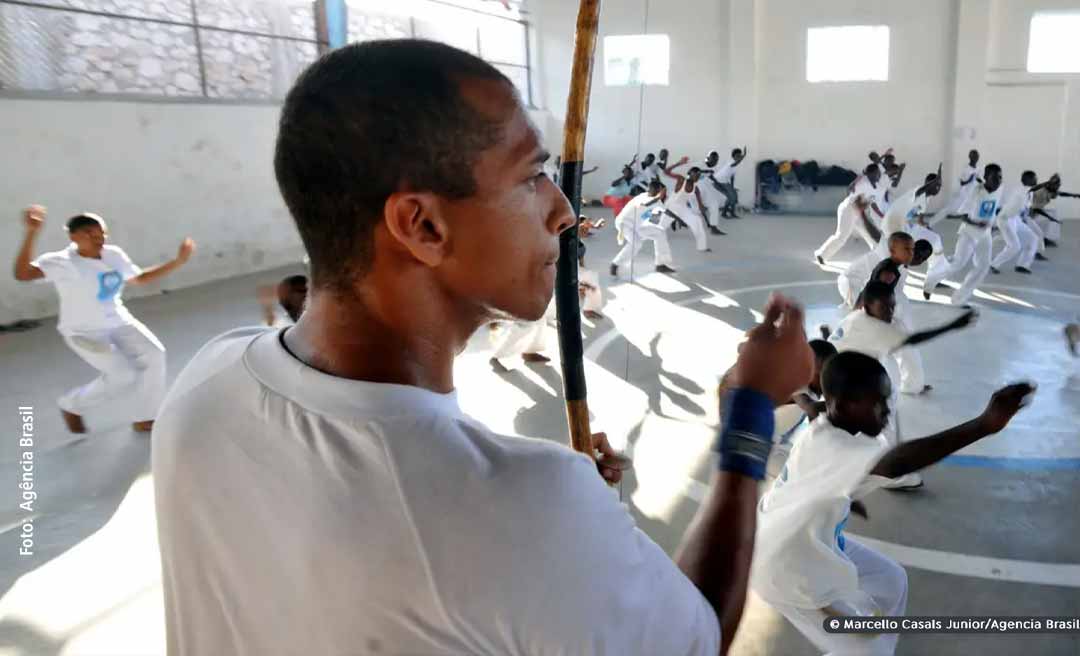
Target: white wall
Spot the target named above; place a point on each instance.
(157, 172)
(957, 79)
(840, 122)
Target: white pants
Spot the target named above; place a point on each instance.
(592, 295)
(912, 375)
(1019, 241)
(882, 581)
(1036, 229)
(847, 222)
(514, 339)
(657, 234)
(972, 245)
(1050, 229)
(131, 361)
(713, 200)
(696, 222)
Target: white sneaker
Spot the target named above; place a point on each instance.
(908, 482)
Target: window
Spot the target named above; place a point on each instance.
(1053, 46)
(849, 53)
(636, 59)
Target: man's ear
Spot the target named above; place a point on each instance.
(415, 221)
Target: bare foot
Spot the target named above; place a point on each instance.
(594, 315)
(143, 426)
(498, 366)
(534, 357)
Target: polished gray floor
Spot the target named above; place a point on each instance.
(993, 532)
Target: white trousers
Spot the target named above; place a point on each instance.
(1020, 242)
(847, 222)
(1050, 229)
(1036, 229)
(882, 582)
(713, 200)
(517, 338)
(131, 361)
(912, 374)
(696, 222)
(635, 241)
(972, 245)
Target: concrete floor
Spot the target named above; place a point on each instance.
(993, 532)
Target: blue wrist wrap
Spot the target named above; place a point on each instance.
(745, 439)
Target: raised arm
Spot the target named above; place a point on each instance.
(187, 247)
(33, 220)
(670, 171)
(875, 232)
(963, 321)
(715, 553)
(917, 454)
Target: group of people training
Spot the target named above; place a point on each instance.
(319, 490)
(644, 211)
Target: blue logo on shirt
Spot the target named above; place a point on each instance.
(109, 284)
(986, 209)
(839, 533)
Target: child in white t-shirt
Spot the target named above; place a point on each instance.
(804, 565)
(90, 277)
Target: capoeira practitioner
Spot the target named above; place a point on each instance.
(710, 192)
(973, 242)
(1040, 210)
(646, 172)
(619, 193)
(527, 339)
(89, 277)
(726, 178)
(1021, 241)
(290, 294)
(847, 213)
(908, 214)
(960, 200)
(645, 218)
(686, 202)
(804, 565)
(901, 249)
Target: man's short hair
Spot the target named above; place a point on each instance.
(900, 236)
(655, 186)
(991, 168)
(924, 246)
(930, 177)
(85, 220)
(822, 349)
(735, 152)
(869, 168)
(851, 375)
(365, 121)
(293, 282)
(876, 290)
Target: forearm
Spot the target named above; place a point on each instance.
(927, 335)
(877, 210)
(156, 272)
(716, 551)
(23, 257)
(912, 456)
(875, 232)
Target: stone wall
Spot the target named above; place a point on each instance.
(84, 53)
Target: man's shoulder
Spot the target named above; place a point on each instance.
(222, 353)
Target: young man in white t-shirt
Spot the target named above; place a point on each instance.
(320, 491)
(710, 191)
(804, 565)
(864, 196)
(686, 202)
(967, 181)
(290, 294)
(725, 177)
(89, 277)
(973, 243)
(645, 218)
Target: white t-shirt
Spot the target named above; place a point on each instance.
(900, 217)
(969, 173)
(726, 175)
(300, 513)
(982, 209)
(1017, 203)
(90, 289)
(868, 335)
(866, 189)
(799, 557)
(636, 212)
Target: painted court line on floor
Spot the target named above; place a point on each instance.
(948, 562)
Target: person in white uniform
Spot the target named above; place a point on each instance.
(89, 276)
(685, 202)
(644, 219)
(290, 295)
(864, 196)
(908, 214)
(973, 243)
(959, 202)
(1047, 217)
(710, 192)
(1021, 242)
(725, 177)
(319, 489)
(805, 566)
